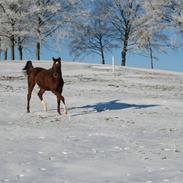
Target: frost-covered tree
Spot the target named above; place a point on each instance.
(4, 48)
(152, 36)
(26, 23)
(125, 17)
(175, 17)
(42, 19)
(141, 25)
(12, 16)
(92, 33)
(13, 23)
(152, 42)
(47, 16)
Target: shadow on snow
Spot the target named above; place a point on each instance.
(112, 105)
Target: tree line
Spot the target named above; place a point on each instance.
(95, 26)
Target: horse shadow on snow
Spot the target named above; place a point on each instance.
(113, 105)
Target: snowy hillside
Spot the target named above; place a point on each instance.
(122, 127)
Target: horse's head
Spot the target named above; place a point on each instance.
(56, 67)
(56, 62)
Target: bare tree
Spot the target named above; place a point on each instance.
(92, 33)
(125, 17)
(152, 36)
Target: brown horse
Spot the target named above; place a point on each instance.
(47, 79)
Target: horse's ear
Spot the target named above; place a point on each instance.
(59, 59)
(53, 58)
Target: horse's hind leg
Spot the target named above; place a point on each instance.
(31, 85)
(40, 95)
(60, 97)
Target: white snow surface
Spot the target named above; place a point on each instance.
(122, 127)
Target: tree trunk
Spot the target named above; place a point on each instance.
(38, 45)
(102, 55)
(6, 54)
(124, 50)
(38, 49)
(20, 50)
(103, 60)
(0, 49)
(12, 47)
(150, 53)
(151, 56)
(123, 55)
(101, 50)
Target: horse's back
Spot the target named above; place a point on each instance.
(35, 71)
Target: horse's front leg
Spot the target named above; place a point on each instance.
(65, 107)
(60, 97)
(58, 105)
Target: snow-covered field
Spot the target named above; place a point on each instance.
(122, 127)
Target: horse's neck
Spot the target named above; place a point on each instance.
(57, 71)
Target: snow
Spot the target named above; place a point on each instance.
(124, 126)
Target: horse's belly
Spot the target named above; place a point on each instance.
(47, 84)
(44, 86)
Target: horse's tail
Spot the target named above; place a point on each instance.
(28, 67)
